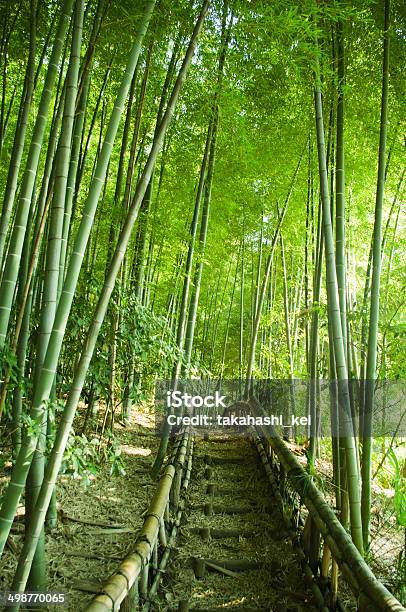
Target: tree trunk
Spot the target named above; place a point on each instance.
(335, 317)
(375, 289)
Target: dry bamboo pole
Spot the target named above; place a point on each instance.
(134, 568)
(162, 533)
(143, 583)
(168, 548)
(357, 572)
(267, 462)
(179, 463)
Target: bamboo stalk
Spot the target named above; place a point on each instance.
(166, 555)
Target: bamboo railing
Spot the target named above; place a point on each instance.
(132, 586)
(326, 536)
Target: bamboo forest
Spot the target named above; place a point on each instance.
(202, 297)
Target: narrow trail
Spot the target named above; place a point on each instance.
(235, 552)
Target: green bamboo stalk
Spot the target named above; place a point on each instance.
(4, 56)
(73, 168)
(85, 148)
(271, 300)
(309, 205)
(19, 137)
(100, 13)
(207, 165)
(9, 110)
(139, 260)
(296, 317)
(43, 390)
(340, 185)
(259, 266)
(288, 332)
(12, 263)
(218, 310)
(223, 357)
(45, 47)
(56, 457)
(37, 579)
(286, 308)
(48, 176)
(183, 309)
(56, 222)
(338, 453)
(136, 129)
(116, 319)
(212, 319)
(20, 348)
(42, 206)
(335, 317)
(366, 472)
(241, 325)
(209, 161)
(265, 279)
(139, 263)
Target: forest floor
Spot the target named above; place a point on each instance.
(81, 555)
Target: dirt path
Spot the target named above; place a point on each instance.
(276, 584)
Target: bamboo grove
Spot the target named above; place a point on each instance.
(206, 189)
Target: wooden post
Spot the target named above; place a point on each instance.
(334, 583)
(143, 586)
(325, 561)
(314, 547)
(205, 533)
(199, 567)
(208, 509)
(162, 534)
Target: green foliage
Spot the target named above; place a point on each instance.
(401, 577)
(83, 457)
(144, 338)
(30, 425)
(399, 484)
(9, 369)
